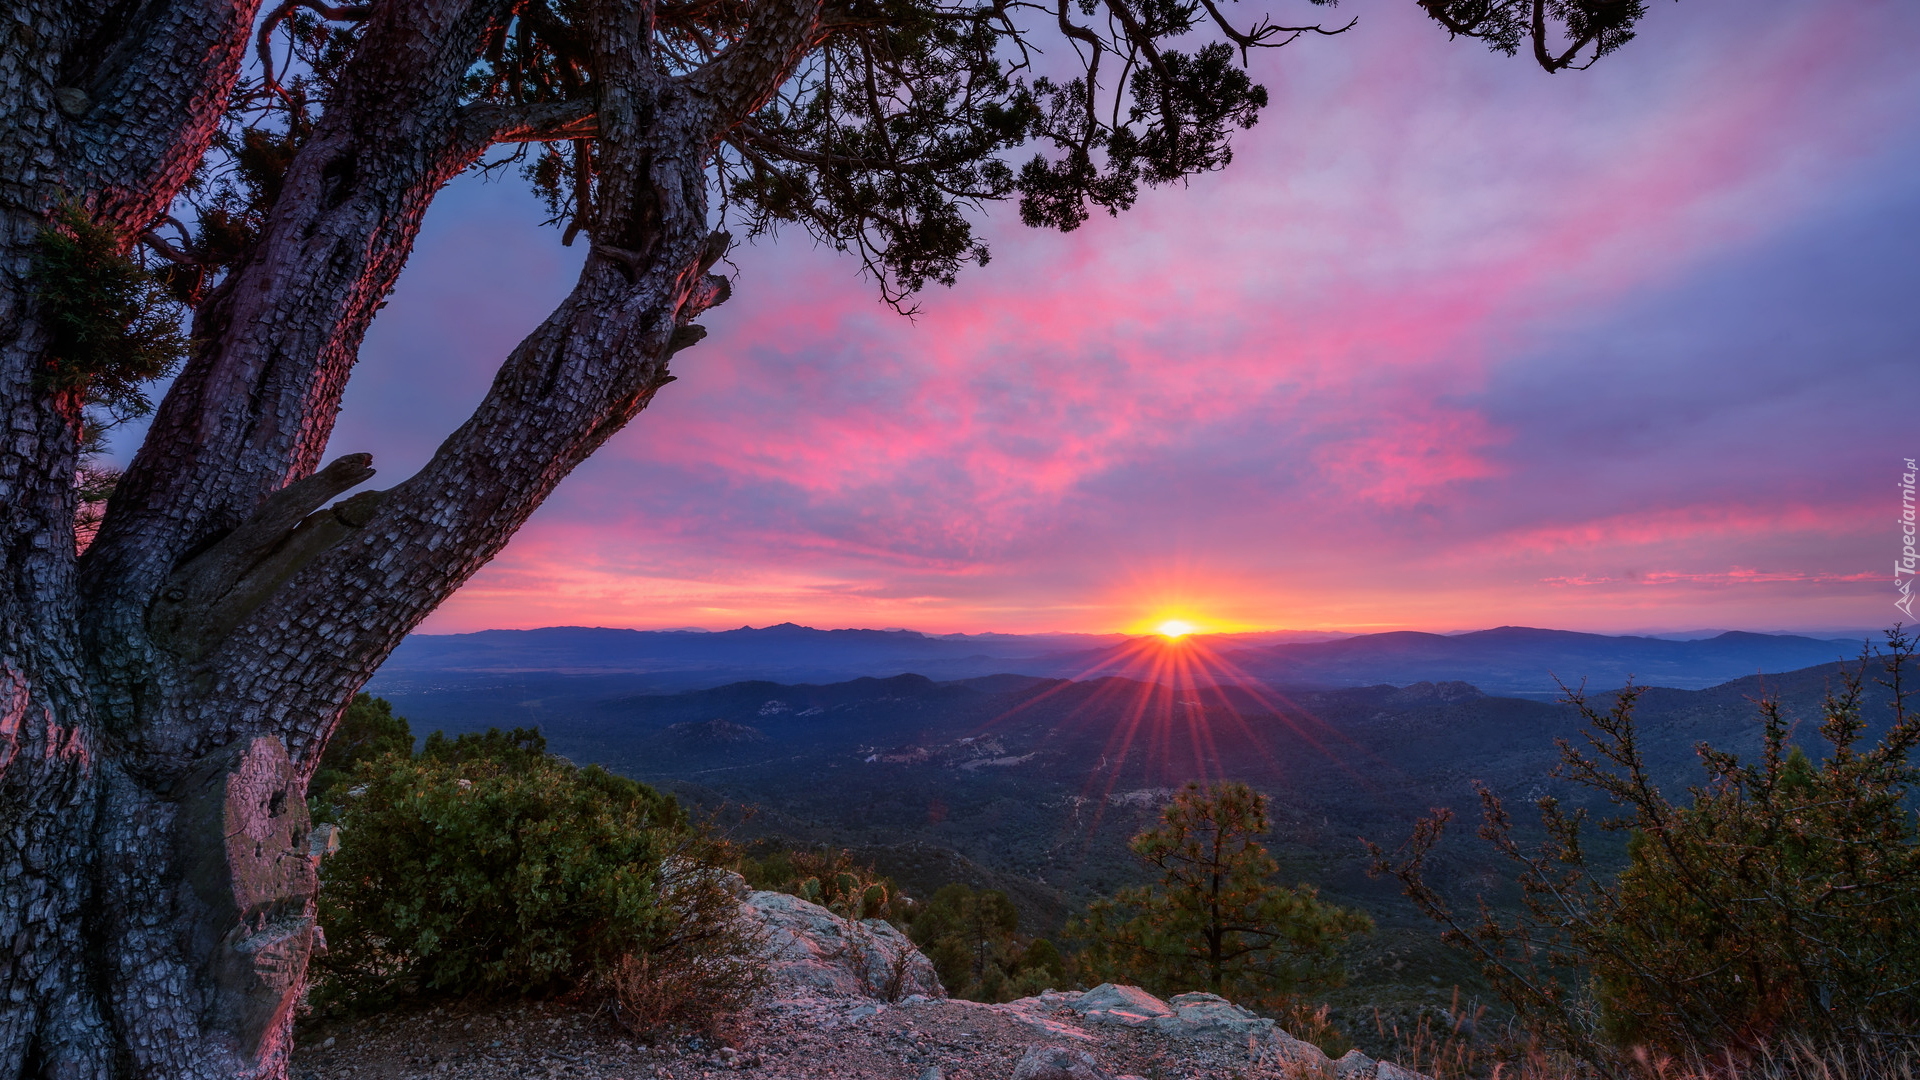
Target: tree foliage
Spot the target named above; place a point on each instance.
(906, 117)
(1779, 900)
(972, 937)
(114, 328)
(1215, 920)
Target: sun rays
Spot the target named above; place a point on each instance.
(1169, 707)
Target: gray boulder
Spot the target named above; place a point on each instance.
(810, 948)
(1125, 1006)
(1058, 1063)
(1355, 1065)
(1200, 1014)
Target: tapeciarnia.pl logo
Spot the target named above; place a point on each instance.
(1903, 567)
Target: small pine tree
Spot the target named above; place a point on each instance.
(969, 936)
(114, 325)
(1215, 920)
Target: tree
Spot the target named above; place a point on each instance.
(1780, 900)
(166, 697)
(969, 936)
(1215, 920)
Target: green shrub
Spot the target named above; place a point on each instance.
(368, 731)
(485, 866)
(1779, 904)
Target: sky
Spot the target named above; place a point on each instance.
(1451, 344)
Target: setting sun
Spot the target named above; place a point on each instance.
(1174, 628)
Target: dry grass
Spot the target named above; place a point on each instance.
(1869, 1058)
(1463, 1053)
(1441, 1049)
(683, 992)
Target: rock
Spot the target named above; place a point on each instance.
(932, 1072)
(1058, 1063)
(811, 948)
(1126, 1006)
(1197, 1016)
(1354, 1065)
(324, 840)
(1200, 1014)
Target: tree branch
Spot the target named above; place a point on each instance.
(741, 79)
(149, 99)
(254, 405)
(555, 121)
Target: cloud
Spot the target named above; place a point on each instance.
(1444, 313)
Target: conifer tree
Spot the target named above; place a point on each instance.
(1215, 919)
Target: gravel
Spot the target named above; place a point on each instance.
(800, 1036)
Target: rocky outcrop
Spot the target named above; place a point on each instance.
(1197, 1020)
(811, 949)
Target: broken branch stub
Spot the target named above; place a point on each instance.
(213, 592)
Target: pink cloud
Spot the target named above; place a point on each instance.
(1263, 367)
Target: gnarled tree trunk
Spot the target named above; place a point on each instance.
(164, 699)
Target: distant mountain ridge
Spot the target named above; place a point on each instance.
(1526, 661)
(1504, 660)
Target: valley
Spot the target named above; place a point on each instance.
(1033, 785)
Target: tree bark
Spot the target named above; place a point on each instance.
(164, 700)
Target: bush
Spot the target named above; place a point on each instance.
(485, 866)
(1215, 920)
(1779, 905)
(367, 732)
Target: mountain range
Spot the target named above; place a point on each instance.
(1511, 660)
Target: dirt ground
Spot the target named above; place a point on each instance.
(786, 1039)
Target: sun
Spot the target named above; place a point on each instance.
(1174, 629)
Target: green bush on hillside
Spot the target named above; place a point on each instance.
(484, 866)
(368, 731)
(1779, 904)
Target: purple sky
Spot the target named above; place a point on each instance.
(1453, 343)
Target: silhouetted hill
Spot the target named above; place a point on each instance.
(1506, 660)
